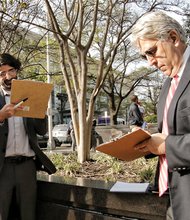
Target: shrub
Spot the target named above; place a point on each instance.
(151, 118)
(104, 167)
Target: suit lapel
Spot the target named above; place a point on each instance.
(2, 99)
(184, 82)
(2, 103)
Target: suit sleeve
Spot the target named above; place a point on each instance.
(40, 126)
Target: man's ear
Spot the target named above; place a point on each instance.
(174, 36)
(173, 39)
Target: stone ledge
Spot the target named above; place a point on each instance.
(80, 199)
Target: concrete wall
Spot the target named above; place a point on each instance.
(61, 198)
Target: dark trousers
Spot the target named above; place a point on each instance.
(18, 182)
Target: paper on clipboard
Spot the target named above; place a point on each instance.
(38, 94)
(130, 187)
(123, 147)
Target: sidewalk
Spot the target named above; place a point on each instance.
(64, 149)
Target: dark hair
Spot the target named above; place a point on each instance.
(7, 59)
(134, 98)
(94, 122)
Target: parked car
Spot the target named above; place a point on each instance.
(43, 140)
(60, 132)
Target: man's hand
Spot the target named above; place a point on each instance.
(6, 112)
(155, 144)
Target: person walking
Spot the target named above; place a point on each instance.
(161, 41)
(71, 132)
(20, 155)
(142, 111)
(135, 118)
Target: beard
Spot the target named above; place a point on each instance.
(6, 83)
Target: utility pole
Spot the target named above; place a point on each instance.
(51, 142)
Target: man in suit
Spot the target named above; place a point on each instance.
(20, 155)
(161, 41)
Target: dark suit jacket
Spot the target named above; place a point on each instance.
(134, 115)
(178, 143)
(33, 127)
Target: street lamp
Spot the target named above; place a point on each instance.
(51, 142)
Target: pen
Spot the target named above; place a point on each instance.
(18, 104)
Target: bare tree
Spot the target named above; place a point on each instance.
(119, 90)
(82, 20)
(151, 90)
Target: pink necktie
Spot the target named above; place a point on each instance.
(163, 178)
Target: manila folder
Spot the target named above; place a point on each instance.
(38, 94)
(123, 147)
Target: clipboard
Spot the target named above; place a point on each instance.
(123, 147)
(38, 94)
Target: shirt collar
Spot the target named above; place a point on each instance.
(6, 93)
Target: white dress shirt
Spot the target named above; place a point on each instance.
(18, 142)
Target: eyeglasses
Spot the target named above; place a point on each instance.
(150, 52)
(11, 72)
